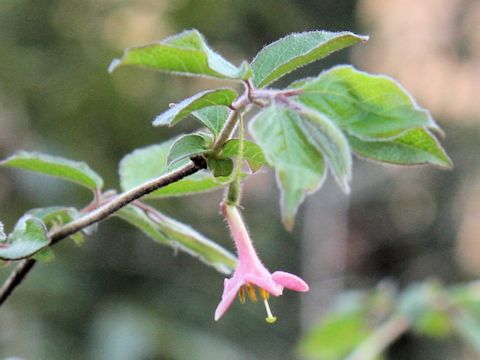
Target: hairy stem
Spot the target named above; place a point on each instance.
(102, 212)
(383, 337)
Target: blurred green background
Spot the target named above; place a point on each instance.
(122, 296)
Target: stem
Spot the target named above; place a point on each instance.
(384, 336)
(227, 131)
(102, 212)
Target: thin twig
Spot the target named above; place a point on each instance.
(102, 212)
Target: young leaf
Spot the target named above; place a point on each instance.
(46, 255)
(150, 162)
(196, 102)
(180, 236)
(213, 117)
(370, 107)
(299, 166)
(331, 142)
(252, 153)
(59, 215)
(28, 237)
(220, 167)
(77, 172)
(186, 53)
(186, 146)
(296, 50)
(414, 147)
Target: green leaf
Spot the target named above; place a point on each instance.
(186, 146)
(150, 162)
(220, 167)
(213, 117)
(299, 166)
(370, 107)
(296, 50)
(180, 236)
(252, 153)
(77, 172)
(55, 215)
(331, 142)
(198, 101)
(186, 53)
(414, 147)
(59, 215)
(28, 237)
(335, 337)
(46, 255)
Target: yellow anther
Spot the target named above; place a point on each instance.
(270, 318)
(241, 295)
(264, 294)
(251, 292)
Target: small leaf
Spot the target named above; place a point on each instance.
(296, 50)
(46, 255)
(370, 107)
(335, 337)
(77, 172)
(150, 162)
(213, 117)
(414, 147)
(331, 142)
(186, 53)
(199, 101)
(28, 237)
(220, 167)
(58, 215)
(252, 153)
(180, 236)
(185, 147)
(299, 166)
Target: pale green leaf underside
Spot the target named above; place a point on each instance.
(415, 147)
(2, 233)
(299, 166)
(371, 107)
(185, 147)
(186, 53)
(296, 50)
(179, 236)
(252, 153)
(28, 237)
(331, 142)
(196, 102)
(150, 162)
(74, 171)
(213, 117)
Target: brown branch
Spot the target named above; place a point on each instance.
(102, 212)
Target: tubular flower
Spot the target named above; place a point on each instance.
(250, 272)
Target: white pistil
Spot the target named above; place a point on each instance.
(270, 318)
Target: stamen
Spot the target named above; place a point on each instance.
(251, 292)
(241, 295)
(264, 293)
(270, 318)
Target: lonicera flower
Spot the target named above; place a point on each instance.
(250, 271)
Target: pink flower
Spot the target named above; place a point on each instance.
(250, 271)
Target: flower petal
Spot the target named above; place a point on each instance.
(290, 281)
(227, 299)
(266, 283)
